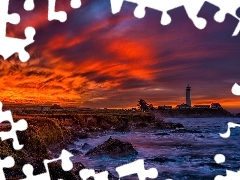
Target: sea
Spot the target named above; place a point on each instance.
(176, 154)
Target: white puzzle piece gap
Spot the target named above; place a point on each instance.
(67, 165)
(52, 14)
(230, 175)
(230, 125)
(220, 158)
(29, 5)
(236, 89)
(8, 162)
(21, 125)
(87, 173)
(9, 46)
(137, 167)
(75, 4)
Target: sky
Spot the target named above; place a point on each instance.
(97, 59)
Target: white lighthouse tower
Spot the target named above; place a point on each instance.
(188, 95)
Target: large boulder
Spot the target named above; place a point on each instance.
(113, 148)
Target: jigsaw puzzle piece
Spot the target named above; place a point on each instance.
(28, 171)
(65, 156)
(152, 4)
(192, 8)
(9, 46)
(67, 165)
(19, 45)
(227, 7)
(61, 15)
(21, 125)
(8, 162)
(5, 17)
(137, 167)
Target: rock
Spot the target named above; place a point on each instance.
(56, 172)
(77, 166)
(161, 159)
(186, 131)
(168, 125)
(86, 146)
(75, 151)
(113, 148)
(122, 127)
(162, 134)
(82, 135)
(141, 125)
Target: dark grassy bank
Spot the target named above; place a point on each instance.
(48, 134)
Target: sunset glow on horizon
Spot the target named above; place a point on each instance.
(97, 59)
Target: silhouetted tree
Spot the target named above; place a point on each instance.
(150, 107)
(143, 105)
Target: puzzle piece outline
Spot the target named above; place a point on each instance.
(192, 8)
(52, 14)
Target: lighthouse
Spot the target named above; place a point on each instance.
(188, 95)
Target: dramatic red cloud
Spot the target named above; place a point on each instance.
(97, 59)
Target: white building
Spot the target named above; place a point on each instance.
(188, 95)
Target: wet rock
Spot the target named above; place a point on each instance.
(141, 125)
(122, 127)
(168, 125)
(186, 131)
(75, 151)
(82, 135)
(162, 134)
(113, 148)
(77, 166)
(86, 146)
(111, 176)
(213, 165)
(161, 159)
(56, 172)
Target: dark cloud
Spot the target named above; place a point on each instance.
(38, 73)
(133, 83)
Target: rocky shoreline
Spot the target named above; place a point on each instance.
(196, 113)
(46, 137)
